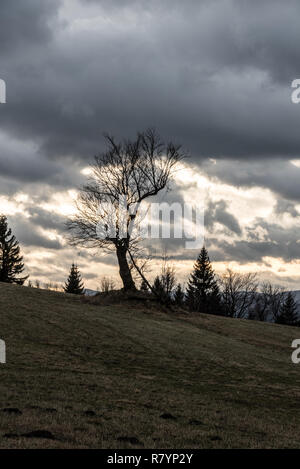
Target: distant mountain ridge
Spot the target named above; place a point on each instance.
(89, 292)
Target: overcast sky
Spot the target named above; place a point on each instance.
(212, 75)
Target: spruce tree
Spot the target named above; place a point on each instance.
(288, 313)
(202, 291)
(11, 262)
(74, 283)
(179, 295)
(158, 286)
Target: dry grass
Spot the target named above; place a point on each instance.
(102, 376)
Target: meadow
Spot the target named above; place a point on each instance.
(129, 375)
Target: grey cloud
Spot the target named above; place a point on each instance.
(207, 80)
(282, 177)
(29, 235)
(90, 276)
(213, 75)
(272, 240)
(217, 212)
(277, 242)
(47, 220)
(22, 162)
(281, 280)
(285, 206)
(23, 23)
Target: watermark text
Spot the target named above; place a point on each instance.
(296, 353)
(2, 92)
(2, 351)
(295, 96)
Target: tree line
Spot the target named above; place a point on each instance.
(133, 171)
(233, 294)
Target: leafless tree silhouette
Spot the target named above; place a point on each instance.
(130, 172)
(238, 292)
(107, 284)
(268, 302)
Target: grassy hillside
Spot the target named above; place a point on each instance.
(123, 376)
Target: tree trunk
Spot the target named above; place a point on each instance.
(144, 278)
(124, 270)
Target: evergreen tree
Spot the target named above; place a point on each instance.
(203, 292)
(158, 286)
(179, 295)
(144, 286)
(74, 283)
(11, 263)
(288, 313)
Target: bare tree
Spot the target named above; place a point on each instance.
(130, 171)
(165, 283)
(107, 284)
(238, 293)
(260, 309)
(276, 296)
(268, 302)
(168, 276)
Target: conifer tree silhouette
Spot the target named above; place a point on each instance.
(11, 262)
(179, 295)
(202, 291)
(288, 313)
(74, 283)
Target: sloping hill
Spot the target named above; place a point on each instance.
(123, 376)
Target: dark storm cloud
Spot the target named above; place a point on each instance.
(217, 212)
(47, 220)
(254, 251)
(29, 235)
(25, 22)
(206, 75)
(263, 34)
(263, 240)
(21, 161)
(282, 177)
(260, 240)
(213, 75)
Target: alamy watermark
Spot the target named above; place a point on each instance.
(295, 96)
(2, 351)
(296, 353)
(2, 92)
(152, 221)
(2, 101)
